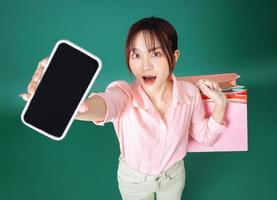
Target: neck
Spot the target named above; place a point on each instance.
(162, 94)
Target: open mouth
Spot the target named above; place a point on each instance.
(149, 79)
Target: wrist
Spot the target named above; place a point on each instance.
(221, 102)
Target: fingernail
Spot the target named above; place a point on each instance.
(83, 109)
(43, 62)
(23, 97)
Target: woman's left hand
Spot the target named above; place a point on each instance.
(212, 90)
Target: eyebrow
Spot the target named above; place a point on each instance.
(149, 50)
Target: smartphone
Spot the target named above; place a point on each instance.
(67, 78)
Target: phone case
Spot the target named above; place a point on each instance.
(83, 97)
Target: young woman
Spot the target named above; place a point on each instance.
(153, 116)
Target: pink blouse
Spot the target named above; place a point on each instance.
(149, 143)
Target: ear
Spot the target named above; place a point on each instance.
(176, 55)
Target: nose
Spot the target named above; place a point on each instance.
(147, 64)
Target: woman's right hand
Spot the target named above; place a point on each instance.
(35, 80)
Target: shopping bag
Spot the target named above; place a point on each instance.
(235, 137)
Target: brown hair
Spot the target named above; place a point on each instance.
(154, 28)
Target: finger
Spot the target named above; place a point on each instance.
(207, 83)
(25, 96)
(32, 87)
(204, 88)
(83, 108)
(39, 71)
(38, 74)
(200, 85)
(43, 62)
(217, 86)
(214, 85)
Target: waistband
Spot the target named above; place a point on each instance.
(164, 174)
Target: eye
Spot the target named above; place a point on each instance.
(135, 55)
(157, 54)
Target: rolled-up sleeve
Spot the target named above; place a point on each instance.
(116, 97)
(204, 130)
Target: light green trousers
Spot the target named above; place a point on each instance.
(134, 185)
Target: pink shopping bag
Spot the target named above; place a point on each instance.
(235, 137)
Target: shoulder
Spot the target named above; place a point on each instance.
(122, 86)
(119, 84)
(190, 89)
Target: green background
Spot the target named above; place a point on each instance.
(215, 36)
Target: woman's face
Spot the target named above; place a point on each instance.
(149, 66)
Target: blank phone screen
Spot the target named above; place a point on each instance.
(60, 90)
